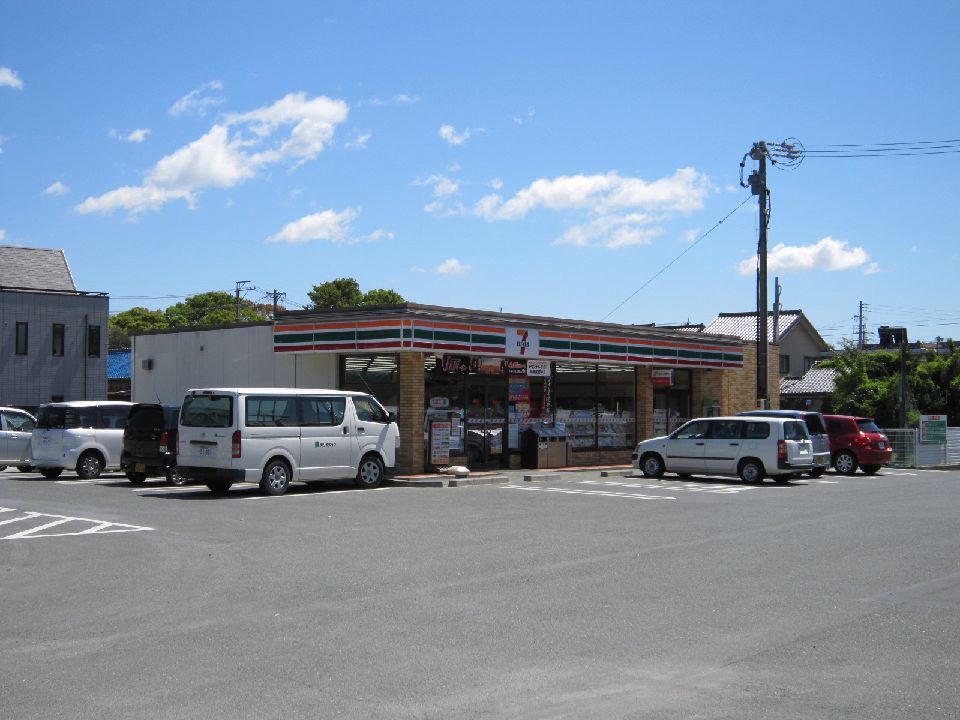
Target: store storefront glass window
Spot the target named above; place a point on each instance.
(671, 403)
(378, 375)
(444, 425)
(616, 411)
(576, 400)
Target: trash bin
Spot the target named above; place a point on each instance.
(543, 447)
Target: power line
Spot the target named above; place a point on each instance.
(667, 266)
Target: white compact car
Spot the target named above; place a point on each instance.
(16, 427)
(84, 435)
(749, 447)
(273, 436)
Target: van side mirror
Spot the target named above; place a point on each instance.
(391, 416)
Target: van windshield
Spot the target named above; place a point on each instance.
(213, 411)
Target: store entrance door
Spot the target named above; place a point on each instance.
(486, 420)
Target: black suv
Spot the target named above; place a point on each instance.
(150, 443)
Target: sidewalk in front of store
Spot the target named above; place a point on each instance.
(482, 477)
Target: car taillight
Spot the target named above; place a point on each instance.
(164, 440)
(782, 450)
(235, 444)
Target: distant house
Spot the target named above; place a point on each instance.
(53, 344)
(801, 346)
(118, 374)
(809, 392)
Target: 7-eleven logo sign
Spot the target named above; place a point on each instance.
(523, 343)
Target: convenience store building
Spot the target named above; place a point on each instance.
(467, 384)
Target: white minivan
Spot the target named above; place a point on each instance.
(273, 436)
(84, 435)
(749, 447)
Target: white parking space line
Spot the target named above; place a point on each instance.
(49, 521)
(595, 493)
(716, 488)
(315, 493)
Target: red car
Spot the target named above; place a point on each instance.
(857, 442)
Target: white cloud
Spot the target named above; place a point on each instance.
(294, 129)
(612, 231)
(614, 201)
(827, 254)
(199, 101)
(57, 188)
(3, 234)
(450, 134)
(9, 78)
(133, 199)
(138, 135)
(452, 267)
(398, 99)
(445, 190)
(496, 183)
(359, 141)
(329, 226)
(683, 191)
(215, 160)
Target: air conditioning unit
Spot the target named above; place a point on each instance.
(147, 364)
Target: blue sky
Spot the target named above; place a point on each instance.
(536, 157)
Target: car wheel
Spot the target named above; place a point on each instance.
(370, 472)
(136, 478)
(26, 468)
(845, 463)
(219, 487)
(174, 477)
(817, 473)
(652, 466)
(870, 469)
(51, 473)
(276, 478)
(89, 466)
(751, 471)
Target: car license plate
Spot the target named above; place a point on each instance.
(203, 451)
(821, 460)
(140, 467)
(881, 445)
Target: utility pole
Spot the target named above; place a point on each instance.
(860, 327)
(276, 296)
(758, 187)
(241, 286)
(776, 309)
(785, 154)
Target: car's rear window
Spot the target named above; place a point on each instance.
(867, 425)
(795, 430)
(212, 411)
(145, 417)
(814, 423)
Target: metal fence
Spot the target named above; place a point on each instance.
(908, 451)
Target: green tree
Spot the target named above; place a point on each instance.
(211, 308)
(868, 383)
(137, 319)
(345, 292)
(382, 297)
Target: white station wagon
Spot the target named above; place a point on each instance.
(749, 447)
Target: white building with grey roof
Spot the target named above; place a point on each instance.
(53, 337)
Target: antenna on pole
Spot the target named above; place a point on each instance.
(242, 286)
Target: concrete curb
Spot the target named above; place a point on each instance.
(541, 476)
(617, 473)
(435, 481)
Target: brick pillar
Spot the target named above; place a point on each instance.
(644, 403)
(412, 388)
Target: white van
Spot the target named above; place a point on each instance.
(84, 435)
(16, 427)
(749, 447)
(273, 436)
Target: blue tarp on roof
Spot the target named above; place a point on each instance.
(119, 364)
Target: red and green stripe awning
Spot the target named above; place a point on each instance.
(481, 339)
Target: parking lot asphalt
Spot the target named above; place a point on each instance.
(576, 595)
